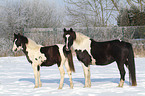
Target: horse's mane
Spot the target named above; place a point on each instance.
(32, 44)
(81, 37)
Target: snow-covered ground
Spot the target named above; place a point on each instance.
(16, 79)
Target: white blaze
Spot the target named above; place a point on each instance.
(15, 46)
(67, 36)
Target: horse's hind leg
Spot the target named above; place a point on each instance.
(126, 63)
(69, 73)
(122, 73)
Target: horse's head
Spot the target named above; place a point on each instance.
(69, 37)
(19, 42)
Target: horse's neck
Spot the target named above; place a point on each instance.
(81, 42)
(32, 45)
(81, 37)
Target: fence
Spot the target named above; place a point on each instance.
(50, 36)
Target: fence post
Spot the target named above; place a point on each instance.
(123, 32)
(88, 31)
(22, 31)
(55, 35)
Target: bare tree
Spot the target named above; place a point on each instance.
(89, 13)
(20, 14)
(93, 13)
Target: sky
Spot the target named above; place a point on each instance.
(59, 2)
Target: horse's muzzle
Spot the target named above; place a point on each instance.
(67, 49)
(14, 50)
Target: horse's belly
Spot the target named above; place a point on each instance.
(48, 63)
(97, 62)
(103, 62)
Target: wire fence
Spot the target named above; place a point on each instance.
(50, 36)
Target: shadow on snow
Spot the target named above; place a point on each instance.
(80, 80)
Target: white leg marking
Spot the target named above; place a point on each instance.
(89, 76)
(69, 73)
(40, 84)
(35, 74)
(121, 83)
(62, 73)
(86, 75)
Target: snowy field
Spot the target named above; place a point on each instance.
(16, 79)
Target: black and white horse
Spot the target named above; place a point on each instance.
(90, 52)
(39, 55)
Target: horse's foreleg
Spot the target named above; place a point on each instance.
(35, 74)
(38, 69)
(89, 76)
(86, 75)
(62, 73)
(69, 73)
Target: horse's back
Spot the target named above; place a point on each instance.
(110, 44)
(109, 51)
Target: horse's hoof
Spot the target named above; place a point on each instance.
(121, 83)
(120, 86)
(40, 85)
(60, 88)
(89, 86)
(134, 85)
(35, 86)
(71, 87)
(86, 86)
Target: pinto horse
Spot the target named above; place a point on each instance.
(90, 52)
(39, 55)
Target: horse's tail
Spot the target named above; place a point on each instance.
(68, 55)
(131, 66)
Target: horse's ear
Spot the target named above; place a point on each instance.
(64, 30)
(19, 35)
(71, 29)
(15, 35)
